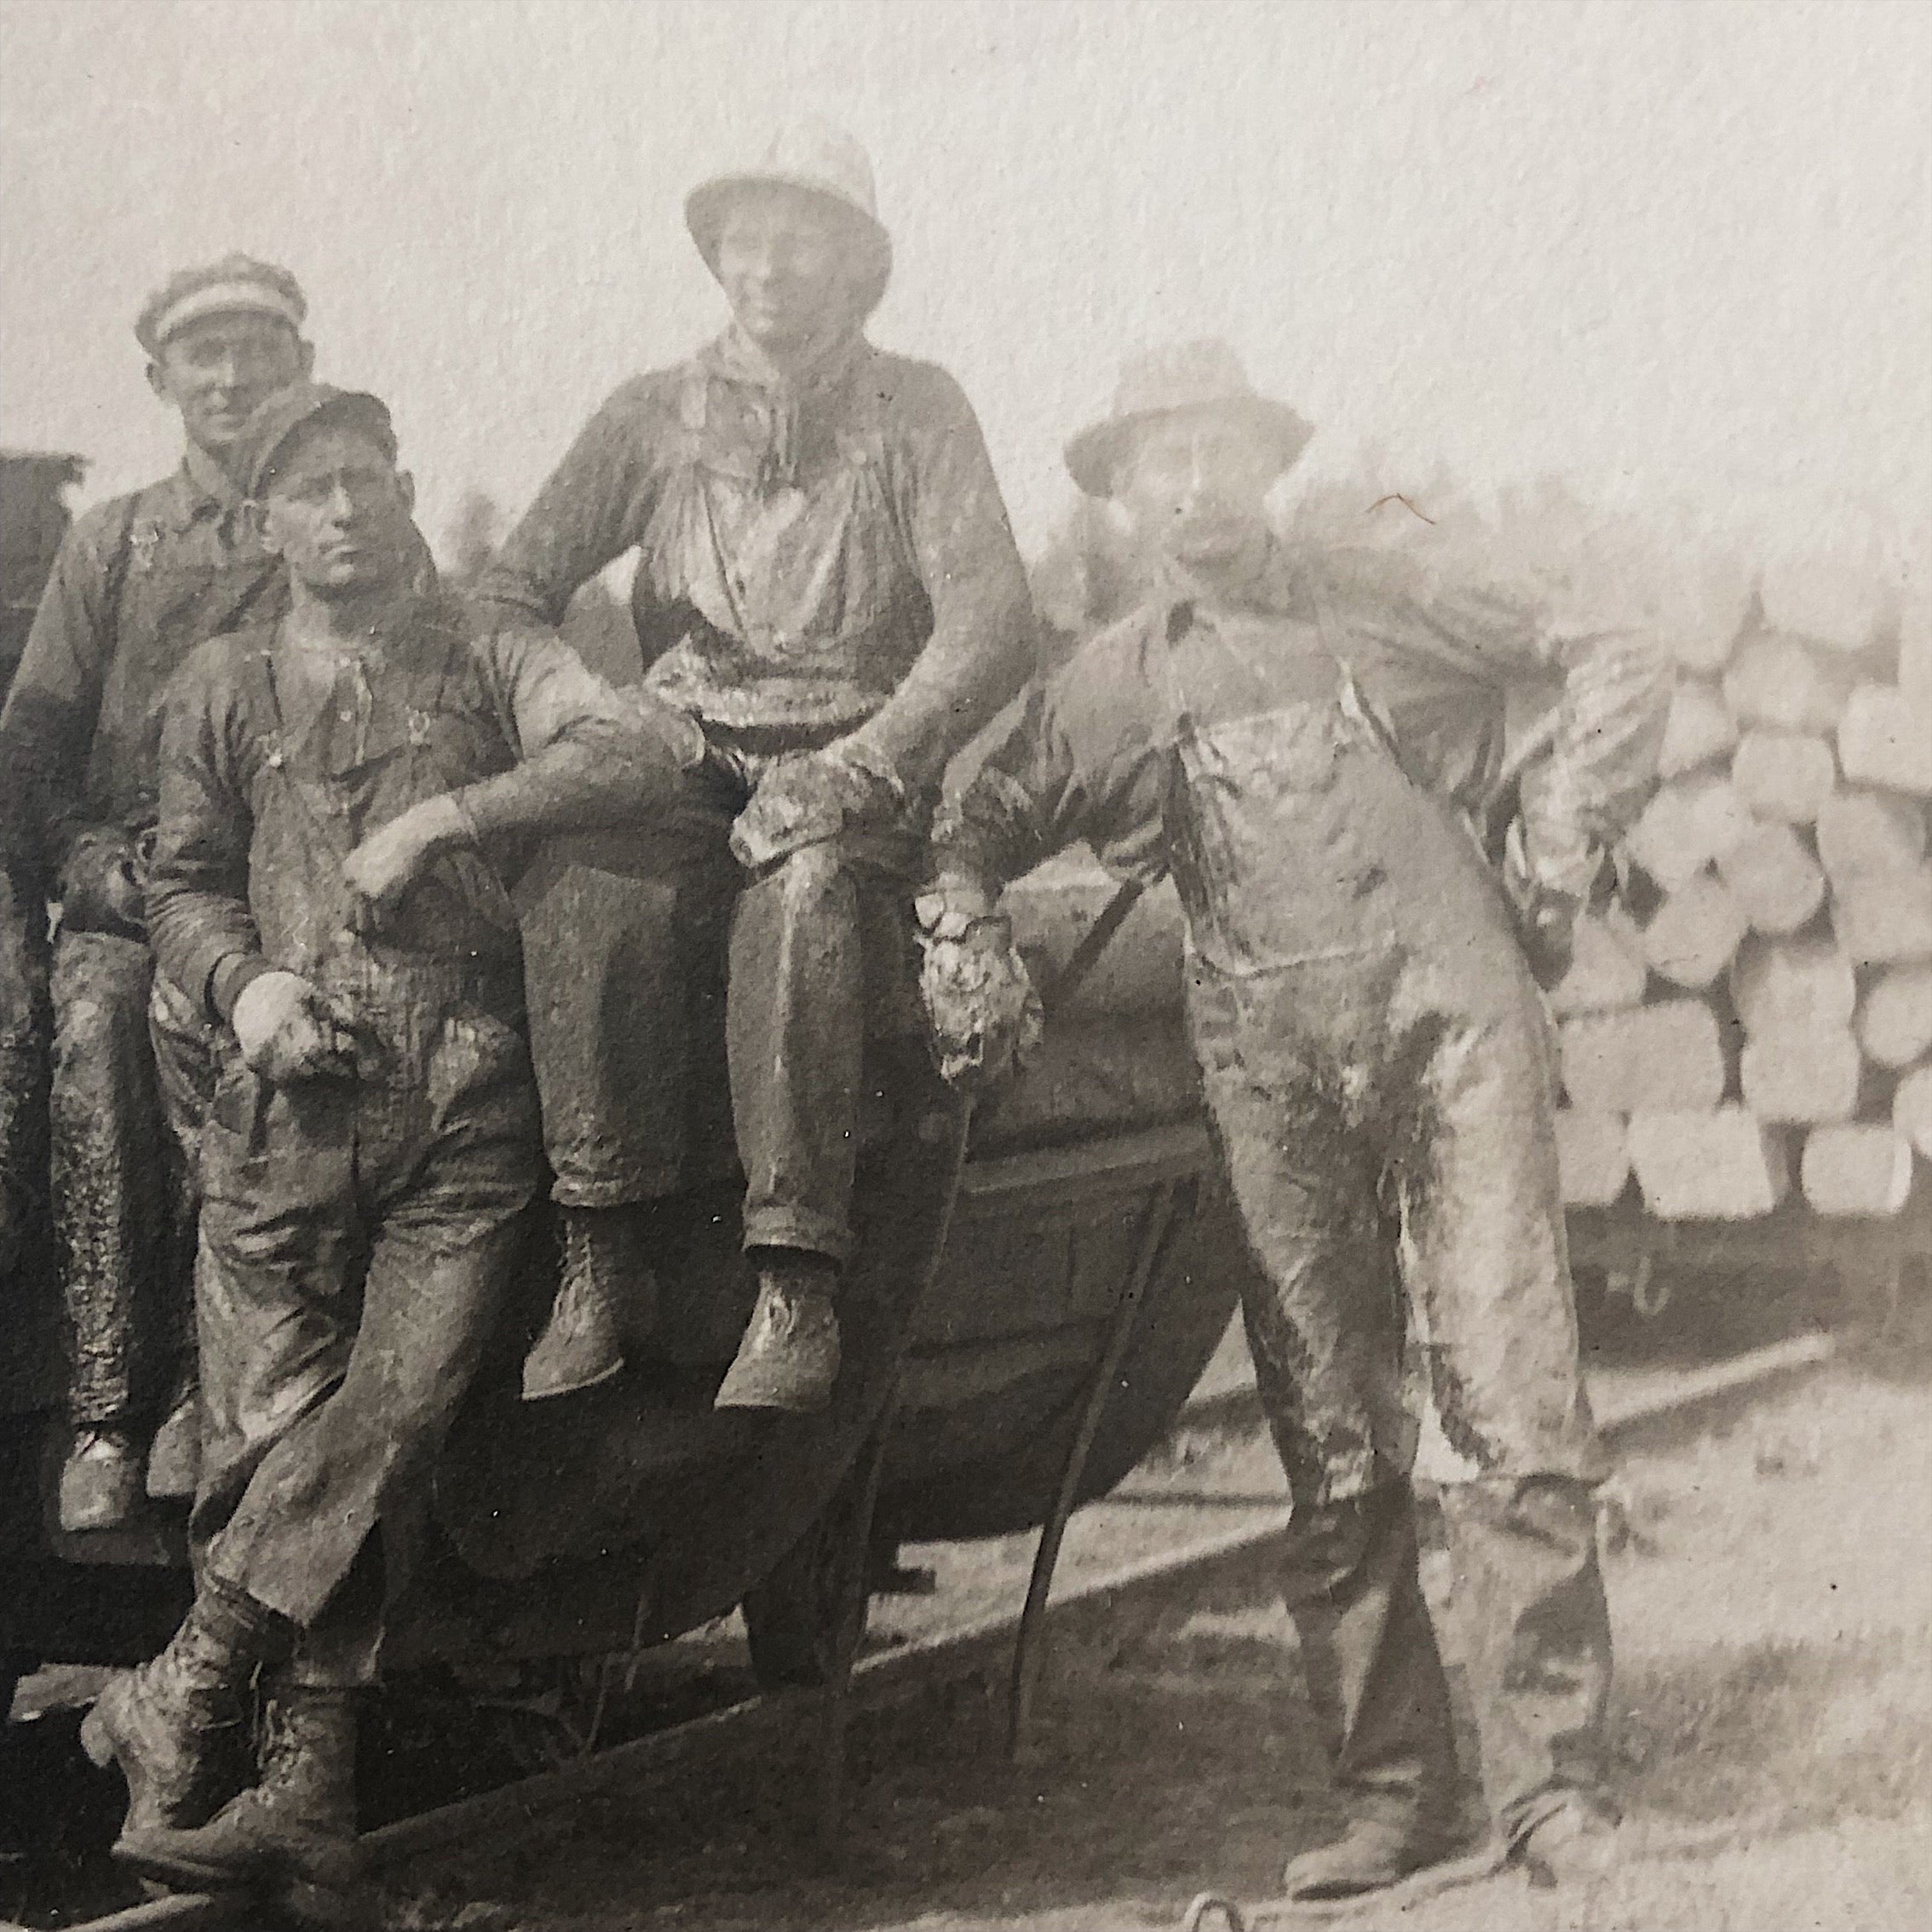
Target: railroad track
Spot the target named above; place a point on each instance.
(981, 1650)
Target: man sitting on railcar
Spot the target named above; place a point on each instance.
(333, 787)
(1294, 737)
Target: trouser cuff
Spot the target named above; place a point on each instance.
(794, 1227)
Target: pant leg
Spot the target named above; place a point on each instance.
(106, 1162)
(1489, 1272)
(183, 1046)
(445, 1161)
(795, 1028)
(1324, 1327)
(1351, 1584)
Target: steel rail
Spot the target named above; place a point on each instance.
(892, 1677)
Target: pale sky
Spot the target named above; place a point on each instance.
(1672, 252)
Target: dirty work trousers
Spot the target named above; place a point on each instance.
(357, 1238)
(663, 977)
(130, 1079)
(1385, 1123)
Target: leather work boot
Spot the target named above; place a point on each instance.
(175, 1725)
(605, 1295)
(292, 1834)
(1575, 1845)
(100, 1481)
(788, 1358)
(174, 1456)
(1371, 1854)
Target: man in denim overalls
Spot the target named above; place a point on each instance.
(337, 790)
(1300, 741)
(139, 583)
(827, 583)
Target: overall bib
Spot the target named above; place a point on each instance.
(662, 975)
(1377, 1065)
(359, 1229)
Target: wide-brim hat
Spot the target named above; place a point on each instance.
(1185, 379)
(811, 158)
(304, 405)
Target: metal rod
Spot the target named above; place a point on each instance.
(1046, 1553)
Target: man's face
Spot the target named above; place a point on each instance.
(1195, 488)
(787, 268)
(218, 370)
(336, 511)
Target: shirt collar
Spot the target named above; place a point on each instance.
(198, 489)
(736, 358)
(1273, 588)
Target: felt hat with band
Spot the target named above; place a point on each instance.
(811, 158)
(1184, 379)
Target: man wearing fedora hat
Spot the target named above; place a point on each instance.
(138, 582)
(827, 583)
(1303, 741)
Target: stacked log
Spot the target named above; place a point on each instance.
(1753, 1014)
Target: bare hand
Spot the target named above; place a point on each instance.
(380, 871)
(285, 1030)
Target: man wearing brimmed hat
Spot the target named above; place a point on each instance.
(337, 789)
(138, 582)
(827, 583)
(1304, 741)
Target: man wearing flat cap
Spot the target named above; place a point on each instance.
(827, 582)
(1308, 740)
(138, 582)
(339, 790)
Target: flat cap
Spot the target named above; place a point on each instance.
(301, 404)
(237, 284)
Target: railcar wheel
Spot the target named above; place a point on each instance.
(805, 1618)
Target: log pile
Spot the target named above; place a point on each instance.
(1753, 1014)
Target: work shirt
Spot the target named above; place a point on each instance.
(800, 541)
(1428, 665)
(277, 762)
(137, 584)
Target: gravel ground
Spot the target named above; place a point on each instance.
(1772, 1591)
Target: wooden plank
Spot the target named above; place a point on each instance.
(1688, 823)
(1836, 603)
(1779, 681)
(1711, 1164)
(1792, 983)
(1856, 1169)
(1698, 730)
(1594, 1160)
(1607, 966)
(1895, 1018)
(1784, 775)
(1867, 834)
(1885, 920)
(1883, 740)
(1911, 1108)
(1776, 883)
(1693, 934)
(1801, 1076)
(1664, 1057)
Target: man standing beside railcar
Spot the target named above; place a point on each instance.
(337, 789)
(139, 582)
(828, 583)
(1297, 738)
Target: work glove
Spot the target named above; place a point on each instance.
(381, 869)
(813, 797)
(986, 1017)
(286, 1031)
(100, 885)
